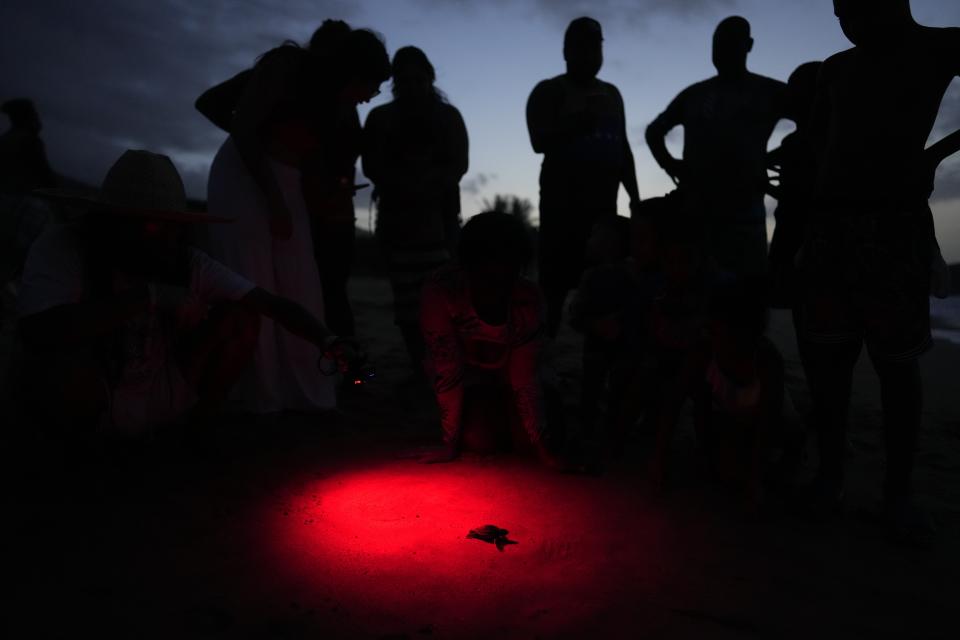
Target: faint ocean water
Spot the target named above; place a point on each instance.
(945, 317)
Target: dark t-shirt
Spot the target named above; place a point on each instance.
(726, 127)
(586, 162)
(416, 158)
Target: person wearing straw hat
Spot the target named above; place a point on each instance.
(126, 327)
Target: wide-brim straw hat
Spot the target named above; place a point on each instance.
(140, 184)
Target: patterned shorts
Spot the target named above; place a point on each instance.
(865, 278)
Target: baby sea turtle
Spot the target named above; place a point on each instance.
(492, 534)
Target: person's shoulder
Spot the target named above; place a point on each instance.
(698, 88)
(608, 87)
(837, 61)
(449, 112)
(550, 86)
(944, 40)
(381, 110)
(379, 114)
(770, 84)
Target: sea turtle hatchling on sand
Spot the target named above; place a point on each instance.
(492, 534)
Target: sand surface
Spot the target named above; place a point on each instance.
(313, 527)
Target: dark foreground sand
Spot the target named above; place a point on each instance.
(307, 528)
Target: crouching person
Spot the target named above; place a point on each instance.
(483, 324)
(125, 326)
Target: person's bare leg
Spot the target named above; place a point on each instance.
(830, 368)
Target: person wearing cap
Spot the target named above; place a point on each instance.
(577, 122)
(125, 326)
(727, 121)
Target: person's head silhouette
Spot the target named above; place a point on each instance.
(731, 44)
(869, 23)
(583, 49)
(328, 37)
(23, 115)
(363, 64)
(413, 75)
(801, 89)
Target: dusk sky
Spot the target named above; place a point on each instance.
(111, 74)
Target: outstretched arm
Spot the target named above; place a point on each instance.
(290, 315)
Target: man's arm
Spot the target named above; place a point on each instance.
(458, 147)
(547, 128)
(629, 177)
(656, 135)
(218, 103)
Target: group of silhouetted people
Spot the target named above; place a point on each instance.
(129, 325)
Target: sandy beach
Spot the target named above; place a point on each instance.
(317, 527)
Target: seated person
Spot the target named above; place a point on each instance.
(483, 326)
(735, 378)
(124, 325)
(611, 308)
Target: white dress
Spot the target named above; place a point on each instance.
(284, 373)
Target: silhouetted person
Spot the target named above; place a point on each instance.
(415, 152)
(577, 122)
(611, 308)
(23, 158)
(866, 263)
(126, 327)
(727, 121)
(794, 163)
(23, 168)
(483, 327)
(328, 175)
(289, 104)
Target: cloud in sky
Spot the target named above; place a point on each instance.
(612, 14)
(630, 13)
(111, 74)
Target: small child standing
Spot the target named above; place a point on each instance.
(735, 378)
(611, 309)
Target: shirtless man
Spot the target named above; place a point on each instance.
(727, 121)
(866, 260)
